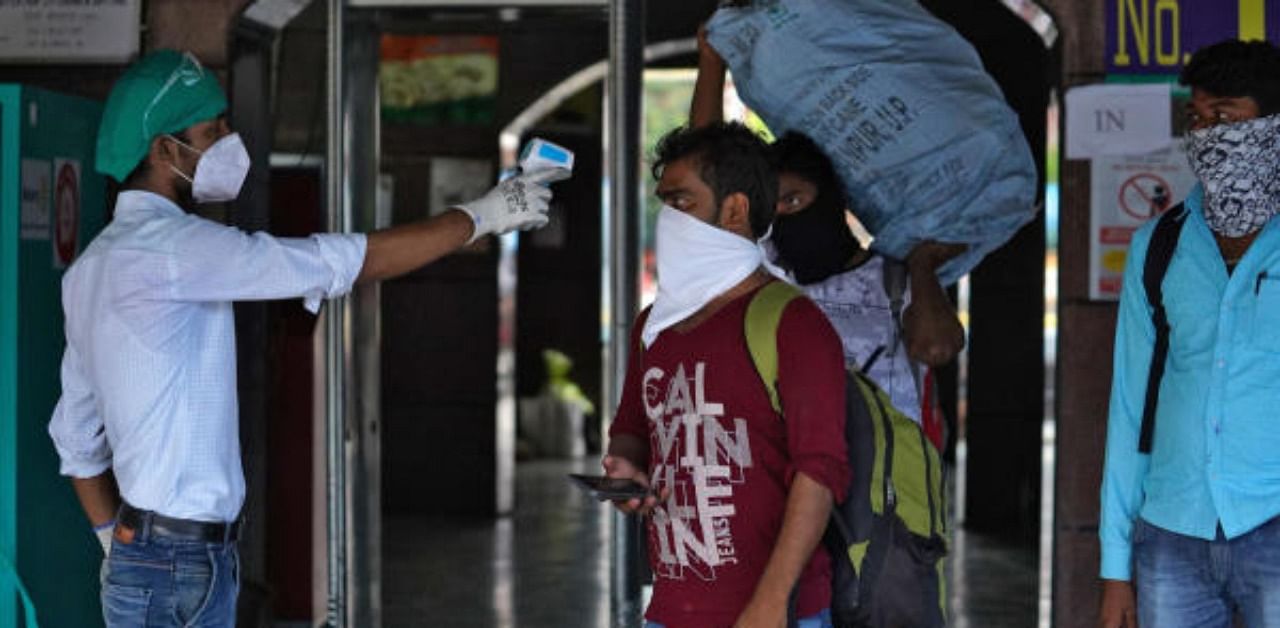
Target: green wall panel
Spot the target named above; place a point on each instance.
(41, 525)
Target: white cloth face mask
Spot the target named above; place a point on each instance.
(221, 170)
(697, 262)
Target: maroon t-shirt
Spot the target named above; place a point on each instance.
(729, 459)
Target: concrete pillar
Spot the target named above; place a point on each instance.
(1085, 334)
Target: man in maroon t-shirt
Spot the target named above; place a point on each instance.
(742, 495)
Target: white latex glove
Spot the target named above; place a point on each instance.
(105, 533)
(518, 203)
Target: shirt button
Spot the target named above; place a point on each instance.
(1222, 363)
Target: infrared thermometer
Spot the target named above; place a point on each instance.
(540, 154)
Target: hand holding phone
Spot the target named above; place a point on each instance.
(607, 488)
(619, 467)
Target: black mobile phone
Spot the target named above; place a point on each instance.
(605, 488)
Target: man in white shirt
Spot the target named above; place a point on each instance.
(147, 424)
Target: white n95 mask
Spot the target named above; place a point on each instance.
(697, 262)
(221, 170)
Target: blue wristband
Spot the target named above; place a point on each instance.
(109, 524)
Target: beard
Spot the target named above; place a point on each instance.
(182, 187)
(185, 199)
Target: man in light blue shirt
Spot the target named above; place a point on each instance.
(147, 425)
(1191, 529)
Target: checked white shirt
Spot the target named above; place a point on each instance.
(149, 372)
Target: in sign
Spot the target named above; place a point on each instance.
(1109, 120)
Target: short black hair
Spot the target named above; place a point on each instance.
(730, 159)
(1237, 69)
(794, 153)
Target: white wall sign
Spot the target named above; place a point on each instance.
(1127, 192)
(37, 192)
(1118, 120)
(66, 31)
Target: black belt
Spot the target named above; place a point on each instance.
(145, 523)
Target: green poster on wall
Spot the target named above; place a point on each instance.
(438, 80)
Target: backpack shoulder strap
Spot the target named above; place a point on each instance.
(1164, 241)
(637, 345)
(760, 327)
(895, 286)
(895, 276)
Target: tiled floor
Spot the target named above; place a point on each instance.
(548, 566)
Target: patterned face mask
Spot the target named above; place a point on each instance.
(1239, 166)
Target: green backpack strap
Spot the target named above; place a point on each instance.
(764, 314)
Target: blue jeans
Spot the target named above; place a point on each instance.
(163, 583)
(821, 620)
(1185, 582)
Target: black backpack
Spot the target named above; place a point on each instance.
(1164, 241)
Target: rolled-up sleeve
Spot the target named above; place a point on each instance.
(213, 262)
(811, 385)
(76, 427)
(344, 254)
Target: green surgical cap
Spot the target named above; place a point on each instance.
(164, 92)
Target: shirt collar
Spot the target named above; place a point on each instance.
(140, 201)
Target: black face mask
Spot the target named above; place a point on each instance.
(815, 242)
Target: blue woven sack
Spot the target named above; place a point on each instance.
(919, 132)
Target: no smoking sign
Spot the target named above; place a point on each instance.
(1125, 192)
(66, 210)
(1145, 195)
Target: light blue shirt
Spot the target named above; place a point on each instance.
(1216, 452)
(149, 372)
